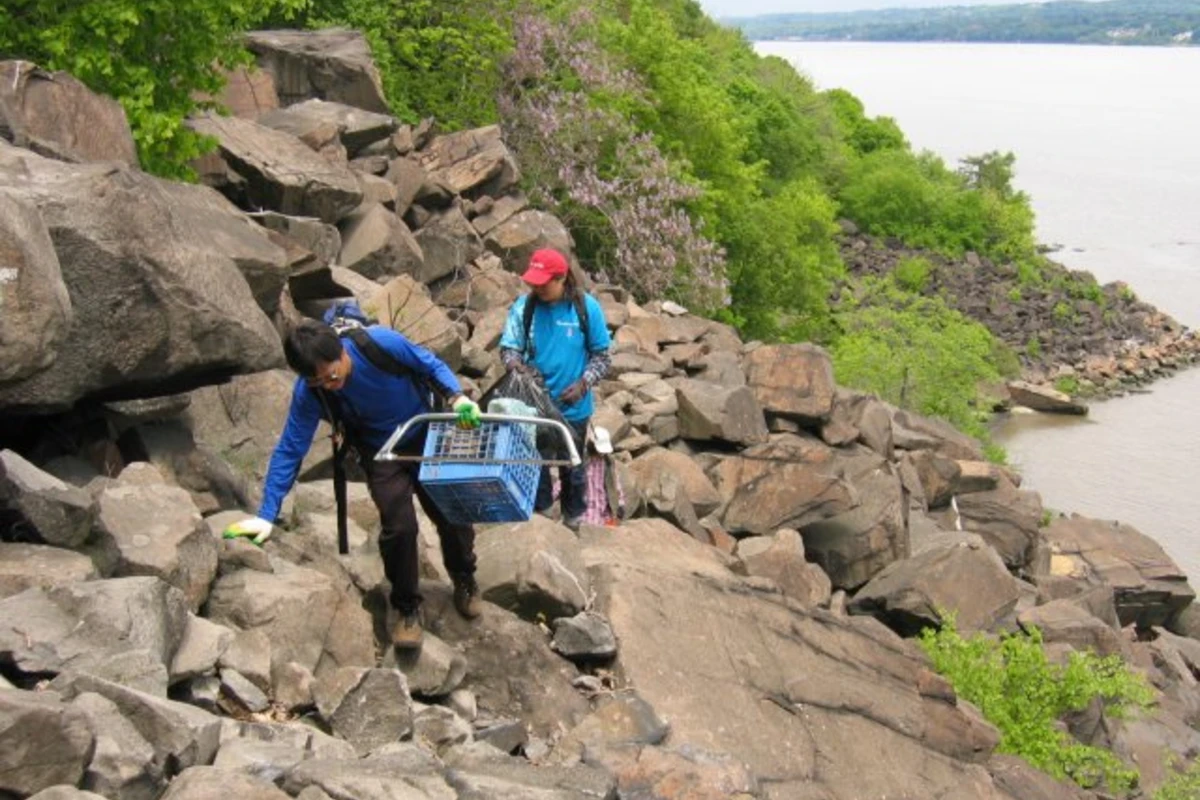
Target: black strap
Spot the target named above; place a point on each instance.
(531, 304)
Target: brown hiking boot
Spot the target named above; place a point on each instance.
(466, 596)
(407, 634)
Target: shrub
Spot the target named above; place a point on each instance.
(913, 274)
(1024, 695)
(133, 50)
(1183, 785)
(915, 352)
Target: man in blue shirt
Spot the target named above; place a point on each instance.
(564, 338)
(336, 379)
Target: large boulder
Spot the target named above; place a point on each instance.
(333, 64)
(817, 706)
(404, 305)
(156, 529)
(279, 171)
(355, 127)
(792, 380)
(24, 566)
(35, 307)
(966, 579)
(709, 412)
(41, 508)
(1148, 587)
(515, 239)
(471, 162)
(43, 743)
(308, 618)
(55, 115)
(85, 626)
(157, 275)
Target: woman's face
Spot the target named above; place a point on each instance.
(551, 291)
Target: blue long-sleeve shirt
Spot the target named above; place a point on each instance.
(372, 400)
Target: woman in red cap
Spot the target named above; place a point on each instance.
(558, 330)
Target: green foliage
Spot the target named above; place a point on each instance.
(995, 453)
(913, 274)
(916, 353)
(1014, 294)
(154, 56)
(1033, 347)
(1183, 785)
(1067, 384)
(1063, 312)
(437, 58)
(1024, 695)
(863, 134)
(782, 264)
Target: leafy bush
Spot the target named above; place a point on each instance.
(1024, 695)
(913, 274)
(438, 58)
(864, 134)
(623, 199)
(154, 56)
(917, 353)
(1183, 785)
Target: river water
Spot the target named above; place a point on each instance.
(1105, 139)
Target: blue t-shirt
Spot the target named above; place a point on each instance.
(373, 402)
(560, 352)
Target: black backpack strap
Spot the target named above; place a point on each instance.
(376, 354)
(531, 304)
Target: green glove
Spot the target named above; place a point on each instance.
(467, 411)
(255, 529)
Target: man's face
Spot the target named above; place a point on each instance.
(331, 375)
(551, 291)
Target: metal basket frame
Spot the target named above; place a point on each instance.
(466, 449)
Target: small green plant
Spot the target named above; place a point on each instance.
(1184, 785)
(1067, 384)
(1047, 517)
(1029, 273)
(1014, 294)
(913, 274)
(1126, 293)
(1020, 692)
(995, 453)
(1064, 311)
(1033, 348)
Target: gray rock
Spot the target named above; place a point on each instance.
(23, 566)
(202, 645)
(56, 115)
(708, 412)
(280, 171)
(792, 380)
(587, 636)
(377, 244)
(37, 306)
(367, 707)
(237, 686)
(439, 728)
(356, 128)
(203, 783)
(333, 64)
(435, 670)
(780, 557)
(533, 567)
(44, 508)
(43, 742)
(123, 766)
(124, 231)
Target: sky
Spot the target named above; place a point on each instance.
(749, 8)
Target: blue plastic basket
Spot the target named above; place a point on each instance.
(469, 491)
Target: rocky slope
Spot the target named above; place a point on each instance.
(740, 637)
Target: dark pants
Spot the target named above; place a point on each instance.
(572, 480)
(392, 485)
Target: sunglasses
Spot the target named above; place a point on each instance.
(320, 381)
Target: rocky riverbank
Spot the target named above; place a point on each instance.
(742, 635)
(1068, 332)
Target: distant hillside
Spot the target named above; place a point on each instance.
(1138, 22)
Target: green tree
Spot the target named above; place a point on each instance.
(156, 57)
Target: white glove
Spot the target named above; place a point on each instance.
(256, 529)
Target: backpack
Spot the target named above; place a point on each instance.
(531, 304)
(349, 321)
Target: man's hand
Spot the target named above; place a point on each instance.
(256, 529)
(519, 365)
(467, 411)
(574, 393)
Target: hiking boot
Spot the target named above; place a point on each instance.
(407, 634)
(466, 597)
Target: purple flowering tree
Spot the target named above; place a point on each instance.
(563, 105)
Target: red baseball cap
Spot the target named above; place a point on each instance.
(544, 266)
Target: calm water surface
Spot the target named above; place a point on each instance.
(1107, 146)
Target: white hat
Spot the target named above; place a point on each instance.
(601, 440)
